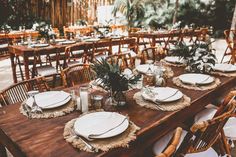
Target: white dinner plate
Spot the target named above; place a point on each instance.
(200, 79)
(163, 94)
(60, 40)
(50, 99)
(92, 40)
(224, 67)
(40, 45)
(174, 59)
(143, 68)
(68, 42)
(99, 125)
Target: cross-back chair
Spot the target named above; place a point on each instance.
(173, 144)
(77, 74)
(152, 53)
(203, 135)
(43, 64)
(200, 138)
(124, 60)
(74, 54)
(18, 92)
(230, 38)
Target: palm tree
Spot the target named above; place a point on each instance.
(135, 10)
(233, 25)
(176, 11)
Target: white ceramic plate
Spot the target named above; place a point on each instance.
(192, 78)
(40, 45)
(50, 99)
(60, 40)
(143, 68)
(108, 124)
(225, 67)
(68, 42)
(163, 94)
(91, 40)
(174, 59)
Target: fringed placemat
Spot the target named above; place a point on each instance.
(172, 106)
(105, 145)
(226, 74)
(212, 85)
(49, 113)
(172, 64)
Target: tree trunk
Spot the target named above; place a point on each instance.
(176, 11)
(233, 25)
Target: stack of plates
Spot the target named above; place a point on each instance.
(99, 125)
(162, 94)
(50, 99)
(196, 79)
(174, 59)
(225, 67)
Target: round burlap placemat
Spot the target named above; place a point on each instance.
(226, 74)
(212, 85)
(105, 145)
(49, 113)
(172, 106)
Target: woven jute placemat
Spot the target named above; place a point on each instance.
(212, 85)
(49, 113)
(226, 74)
(171, 106)
(105, 145)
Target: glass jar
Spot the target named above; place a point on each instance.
(84, 98)
(97, 101)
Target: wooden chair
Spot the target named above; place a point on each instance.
(230, 37)
(123, 60)
(74, 54)
(18, 92)
(152, 53)
(43, 65)
(198, 141)
(77, 74)
(208, 133)
(170, 150)
(98, 51)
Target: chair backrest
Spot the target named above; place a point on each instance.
(124, 60)
(148, 54)
(173, 144)
(206, 133)
(70, 54)
(230, 38)
(18, 92)
(77, 74)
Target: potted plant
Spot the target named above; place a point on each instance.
(199, 57)
(112, 79)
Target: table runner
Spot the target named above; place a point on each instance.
(212, 85)
(50, 113)
(172, 106)
(105, 145)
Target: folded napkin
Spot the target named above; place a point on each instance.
(109, 123)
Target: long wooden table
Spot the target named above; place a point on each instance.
(26, 52)
(44, 137)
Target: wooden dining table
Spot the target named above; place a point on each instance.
(26, 52)
(44, 137)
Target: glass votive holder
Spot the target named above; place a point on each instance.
(97, 101)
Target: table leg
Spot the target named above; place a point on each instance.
(3, 152)
(153, 42)
(26, 64)
(13, 67)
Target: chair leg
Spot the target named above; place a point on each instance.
(3, 152)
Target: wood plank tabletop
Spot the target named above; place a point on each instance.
(44, 137)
